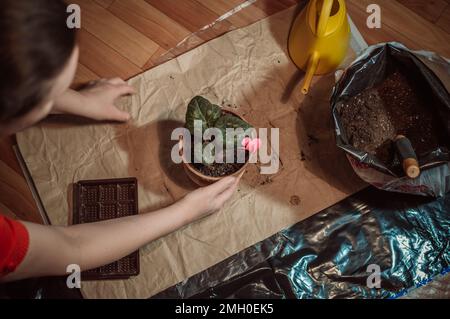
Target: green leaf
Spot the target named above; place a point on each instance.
(234, 122)
(202, 156)
(200, 109)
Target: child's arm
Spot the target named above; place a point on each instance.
(52, 249)
(95, 101)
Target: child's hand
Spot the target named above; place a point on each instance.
(99, 99)
(208, 200)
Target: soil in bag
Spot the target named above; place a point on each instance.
(396, 106)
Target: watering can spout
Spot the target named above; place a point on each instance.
(320, 32)
(310, 71)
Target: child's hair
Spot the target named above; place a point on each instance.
(35, 45)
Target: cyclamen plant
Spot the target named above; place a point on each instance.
(213, 116)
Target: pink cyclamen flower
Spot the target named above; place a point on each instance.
(251, 145)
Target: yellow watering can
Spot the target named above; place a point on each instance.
(320, 38)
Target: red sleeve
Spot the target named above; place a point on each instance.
(14, 242)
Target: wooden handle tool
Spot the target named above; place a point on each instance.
(408, 156)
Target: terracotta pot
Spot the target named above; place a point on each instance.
(199, 178)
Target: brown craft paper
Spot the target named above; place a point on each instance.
(248, 69)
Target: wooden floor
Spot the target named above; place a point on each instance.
(126, 37)
(123, 38)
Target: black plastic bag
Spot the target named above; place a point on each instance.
(368, 71)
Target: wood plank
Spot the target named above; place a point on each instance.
(104, 3)
(193, 16)
(159, 57)
(84, 75)
(241, 18)
(444, 20)
(220, 6)
(374, 36)
(102, 59)
(5, 211)
(151, 22)
(16, 196)
(247, 16)
(410, 25)
(430, 10)
(120, 36)
(8, 157)
(271, 7)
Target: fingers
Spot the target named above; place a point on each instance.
(220, 186)
(225, 184)
(116, 81)
(123, 89)
(119, 115)
(225, 188)
(119, 86)
(228, 193)
(210, 199)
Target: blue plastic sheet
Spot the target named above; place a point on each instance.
(329, 254)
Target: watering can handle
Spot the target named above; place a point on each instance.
(324, 17)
